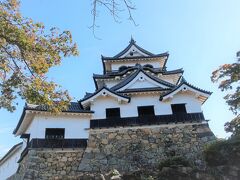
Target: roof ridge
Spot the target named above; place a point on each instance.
(131, 43)
(164, 72)
(134, 57)
(133, 75)
(183, 81)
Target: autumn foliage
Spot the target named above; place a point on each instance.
(229, 77)
(27, 52)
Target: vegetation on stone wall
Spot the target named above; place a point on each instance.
(223, 152)
(174, 161)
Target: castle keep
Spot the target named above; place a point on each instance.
(140, 114)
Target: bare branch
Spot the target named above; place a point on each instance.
(130, 7)
(94, 13)
(114, 8)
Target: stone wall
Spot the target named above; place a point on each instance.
(125, 149)
(136, 148)
(49, 164)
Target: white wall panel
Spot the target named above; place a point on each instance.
(74, 126)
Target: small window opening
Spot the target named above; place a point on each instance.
(112, 112)
(88, 108)
(54, 133)
(148, 66)
(178, 108)
(122, 68)
(146, 111)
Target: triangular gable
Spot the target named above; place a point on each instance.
(104, 92)
(141, 79)
(133, 50)
(200, 94)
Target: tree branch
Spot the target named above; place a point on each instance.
(114, 9)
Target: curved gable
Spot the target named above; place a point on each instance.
(141, 79)
(200, 94)
(104, 92)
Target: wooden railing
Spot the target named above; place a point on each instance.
(53, 143)
(146, 120)
(58, 143)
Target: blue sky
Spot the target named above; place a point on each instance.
(200, 35)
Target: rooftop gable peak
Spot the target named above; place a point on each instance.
(132, 50)
(104, 92)
(132, 41)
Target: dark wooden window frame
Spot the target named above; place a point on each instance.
(179, 108)
(146, 111)
(113, 113)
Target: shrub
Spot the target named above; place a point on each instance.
(174, 161)
(223, 152)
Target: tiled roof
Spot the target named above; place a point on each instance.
(183, 81)
(121, 73)
(133, 75)
(145, 90)
(73, 107)
(132, 42)
(87, 94)
(165, 54)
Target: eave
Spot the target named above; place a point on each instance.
(152, 70)
(163, 56)
(201, 94)
(104, 91)
(28, 114)
(143, 90)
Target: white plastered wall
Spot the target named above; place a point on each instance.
(130, 109)
(10, 166)
(173, 78)
(111, 83)
(192, 104)
(75, 126)
(116, 65)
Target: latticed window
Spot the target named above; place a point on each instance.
(54, 133)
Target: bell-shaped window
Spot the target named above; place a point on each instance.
(122, 68)
(148, 66)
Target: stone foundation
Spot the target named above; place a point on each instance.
(136, 148)
(125, 149)
(49, 164)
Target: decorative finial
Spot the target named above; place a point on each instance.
(183, 80)
(132, 41)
